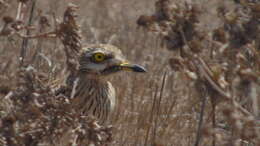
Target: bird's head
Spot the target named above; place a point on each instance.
(104, 59)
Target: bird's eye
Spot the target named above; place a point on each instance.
(98, 57)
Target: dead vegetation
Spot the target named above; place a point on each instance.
(223, 64)
(210, 96)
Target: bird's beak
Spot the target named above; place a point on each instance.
(131, 67)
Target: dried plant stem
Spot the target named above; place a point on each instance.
(19, 10)
(155, 111)
(51, 34)
(199, 129)
(253, 95)
(213, 104)
(151, 116)
(25, 40)
(159, 104)
(39, 46)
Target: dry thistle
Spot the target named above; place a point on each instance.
(43, 116)
(230, 66)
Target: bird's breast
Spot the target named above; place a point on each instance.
(93, 97)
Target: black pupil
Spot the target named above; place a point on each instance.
(99, 56)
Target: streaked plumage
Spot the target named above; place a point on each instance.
(91, 93)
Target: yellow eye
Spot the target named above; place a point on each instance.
(98, 57)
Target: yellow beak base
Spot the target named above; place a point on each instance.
(132, 67)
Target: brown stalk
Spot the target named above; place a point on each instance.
(25, 40)
(158, 107)
(202, 110)
(152, 115)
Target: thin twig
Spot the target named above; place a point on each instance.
(51, 34)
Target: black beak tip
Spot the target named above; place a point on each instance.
(138, 68)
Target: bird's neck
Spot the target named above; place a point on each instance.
(99, 83)
(92, 78)
(91, 93)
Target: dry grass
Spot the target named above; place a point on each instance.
(162, 107)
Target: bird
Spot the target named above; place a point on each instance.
(91, 92)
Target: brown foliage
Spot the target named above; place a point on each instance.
(230, 46)
(212, 48)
